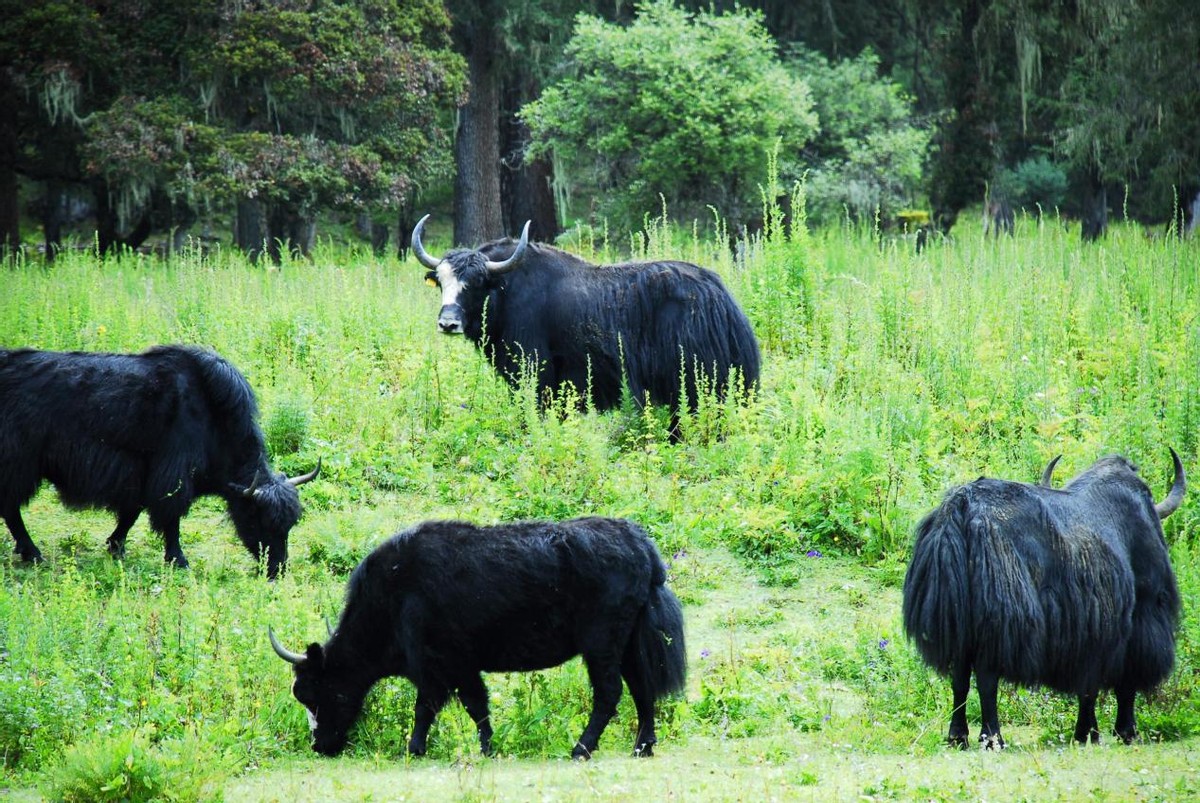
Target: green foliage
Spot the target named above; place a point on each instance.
(129, 767)
(678, 105)
(1037, 184)
(887, 377)
(869, 153)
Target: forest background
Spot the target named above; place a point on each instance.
(269, 124)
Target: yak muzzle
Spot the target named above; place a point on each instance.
(450, 320)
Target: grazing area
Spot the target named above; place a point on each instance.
(786, 523)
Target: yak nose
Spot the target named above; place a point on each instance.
(450, 320)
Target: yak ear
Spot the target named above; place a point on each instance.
(315, 654)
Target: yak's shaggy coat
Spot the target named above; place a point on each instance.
(133, 432)
(1069, 589)
(645, 326)
(446, 600)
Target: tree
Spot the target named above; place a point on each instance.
(869, 153)
(684, 105)
(289, 107)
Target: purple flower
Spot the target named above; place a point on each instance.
(814, 553)
(883, 644)
(680, 554)
(704, 654)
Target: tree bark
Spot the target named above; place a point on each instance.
(249, 232)
(526, 186)
(477, 210)
(1095, 208)
(10, 198)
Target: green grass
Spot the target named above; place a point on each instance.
(888, 376)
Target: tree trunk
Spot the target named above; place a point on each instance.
(965, 155)
(1095, 208)
(288, 229)
(10, 199)
(477, 211)
(249, 232)
(526, 186)
(52, 218)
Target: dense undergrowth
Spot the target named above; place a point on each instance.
(888, 376)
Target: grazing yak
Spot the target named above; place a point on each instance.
(649, 327)
(1069, 589)
(133, 432)
(446, 600)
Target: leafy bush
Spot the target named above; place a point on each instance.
(678, 104)
(129, 768)
(1036, 184)
(870, 148)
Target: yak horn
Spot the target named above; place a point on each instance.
(1048, 474)
(282, 651)
(1175, 498)
(419, 250)
(328, 626)
(515, 259)
(252, 488)
(303, 478)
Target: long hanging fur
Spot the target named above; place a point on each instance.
(1069, 589)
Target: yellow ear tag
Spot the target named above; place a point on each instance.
(430, 282)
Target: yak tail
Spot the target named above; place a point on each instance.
(656, 650)
(937, 605)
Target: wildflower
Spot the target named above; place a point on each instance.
(814, 553)
(704, 653)
(883, 644)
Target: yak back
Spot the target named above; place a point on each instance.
(103, 427)
(1045, 587)
(655, 317)
(450, 599)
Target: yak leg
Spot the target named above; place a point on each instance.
(1126, 726)
(429, 701)
(1086, 728)
(960, 685)
(116, 541)
(605, 675)
(643, 700)
(24, 544)
(987, 684)
(474, 697)
(168, 526)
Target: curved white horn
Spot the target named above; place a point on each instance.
(419, 250)
(517, 254)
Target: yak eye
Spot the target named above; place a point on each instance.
(431, 279)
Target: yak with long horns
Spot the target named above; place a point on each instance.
(134, 432)
(662, 330)
(1068, 589)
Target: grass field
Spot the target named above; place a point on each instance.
(888, 376)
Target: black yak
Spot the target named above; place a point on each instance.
(444, 601)
(660, 329)
(1069, 589)
(133, 432)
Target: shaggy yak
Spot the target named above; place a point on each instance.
(133, 432)
(444, 601)
(661, 330)
(1069, 589)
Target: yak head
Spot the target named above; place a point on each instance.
(465, 276)
(265, 511)
(1122, 470)
(332, 699)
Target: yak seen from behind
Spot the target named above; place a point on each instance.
(662, 331)
(1069, 589)
(444, 601)
(133, 432)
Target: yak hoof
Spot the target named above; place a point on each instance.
(581, 753)
(958, 740)
(993, 742)
(116, 549)
(30, 556)
(1128, 737)
(178, 561)
(416, 750)
(645, 750)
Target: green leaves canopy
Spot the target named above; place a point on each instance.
(684, 105)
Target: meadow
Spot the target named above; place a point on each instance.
(889, 376)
